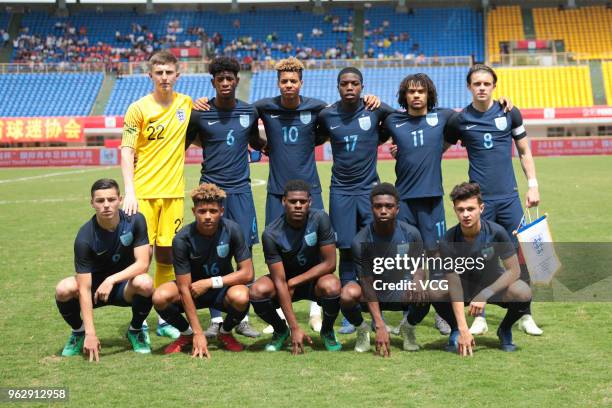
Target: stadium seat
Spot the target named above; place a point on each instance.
(49, 94)
(437, 31)
(543, 87)
(131, 88)
(586, 31)
(504, 23)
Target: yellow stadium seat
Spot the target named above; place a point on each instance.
(504, 23)
(543, 87)
(607, 74)
(586, 31)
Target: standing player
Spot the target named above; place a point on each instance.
(476, 238)
(391, 237)
(111, 258)
(152, 163)
(205, 277)
(225, 132)
(300, 251)
(487, 132)
(289, 121)
(354, 135)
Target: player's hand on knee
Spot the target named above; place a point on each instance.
(465, 344)
(91, 347)
(103, 292)
(130, 204)
(383, 342)
(201, 104)
(371, 102)
(200, 287)
(200, 346)
(533, 197)
(297, 341)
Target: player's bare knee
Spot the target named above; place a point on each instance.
(350, 294)
(143, 284)
(329, 285)
(238, 296)
(519, 291)
(66, 289)
(161, 298)
(261, 289)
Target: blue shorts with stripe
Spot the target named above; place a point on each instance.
(427, 215)
(348, 214)
(240, 208)
(507, 212)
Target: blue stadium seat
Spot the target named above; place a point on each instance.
(382, 82)
(437, 31)
(49, 94)
(131, 88)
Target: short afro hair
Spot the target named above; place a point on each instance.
(296, 185)
(419, 79)
(384, 189)
(220, 64)
(207, 193)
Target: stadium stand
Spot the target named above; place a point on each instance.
(383, 82)
(606, 68)
(504, 23)
(4, 20)
(456, 31)
(585, 30)
(272, 33)
(48, 94)
(131, 88)
(546, 87)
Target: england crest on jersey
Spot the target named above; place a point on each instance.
(180, 115)
(501, 123)
(305, 117)
(127, 238)
(244, 121)
(365, 123)
(402, 249)
(222, 250)
(432, 119)
(311, 239)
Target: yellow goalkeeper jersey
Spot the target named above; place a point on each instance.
(157, 135)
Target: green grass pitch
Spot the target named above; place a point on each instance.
(42, 209)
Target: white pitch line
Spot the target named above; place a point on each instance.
(17, 180)
(43, 200)
(258, 182)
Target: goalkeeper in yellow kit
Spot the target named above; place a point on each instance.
(152, 164)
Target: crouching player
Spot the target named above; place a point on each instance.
(300, 251)
(391, 237)
(485, 280)
(205, 277)
(111, 258)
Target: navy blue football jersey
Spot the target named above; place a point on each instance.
(103, 253)
(291, 141)
(354, 137)
(420, 145)
(297, 249)
(488, 138)
(205, 257)
(225, 136)
(491, 245)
